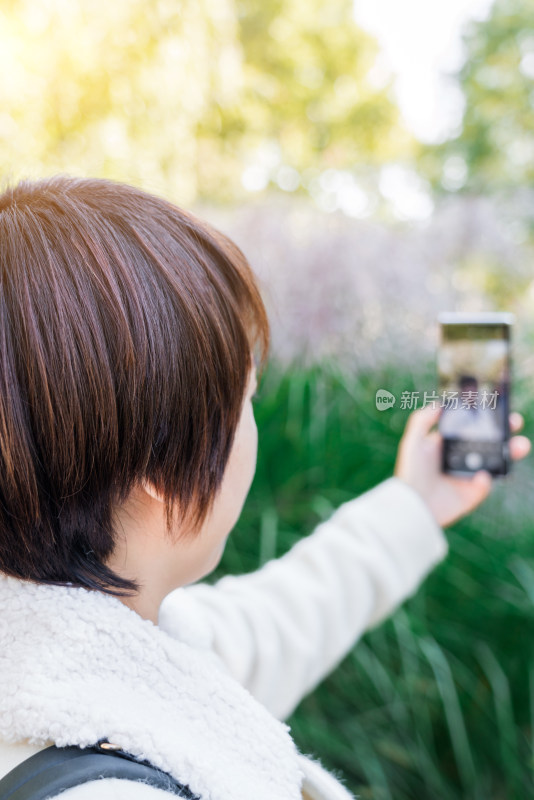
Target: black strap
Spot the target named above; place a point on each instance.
(55, 769)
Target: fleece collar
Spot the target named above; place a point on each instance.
(77, 666)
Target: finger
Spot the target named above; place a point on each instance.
(433, 439)
(477, 488)
(520, 447)
(472, 490)
(516, 421)
(421, 421)
(481, 483)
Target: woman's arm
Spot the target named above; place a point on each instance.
(281, 629)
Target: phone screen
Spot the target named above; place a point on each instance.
(474, 380)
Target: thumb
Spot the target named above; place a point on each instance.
(421, 421)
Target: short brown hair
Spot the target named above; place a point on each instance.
(127, 330)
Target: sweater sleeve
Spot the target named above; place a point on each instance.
(282, 629)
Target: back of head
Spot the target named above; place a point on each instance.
(126, 335)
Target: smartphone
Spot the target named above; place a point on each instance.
(474, 388)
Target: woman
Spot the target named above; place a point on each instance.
(127, 447)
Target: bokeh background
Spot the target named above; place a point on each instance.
(374, 160)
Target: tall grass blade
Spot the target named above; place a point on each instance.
(505, 718)
(453, 712)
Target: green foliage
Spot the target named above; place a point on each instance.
(307, 100)
(180, 97)
(110, 89)
(439, 700)
(495, 144)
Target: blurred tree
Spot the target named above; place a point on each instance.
(314, 97)
(494, 149)
(183, 96)
(114, 89)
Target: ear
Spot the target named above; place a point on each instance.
(151, 490)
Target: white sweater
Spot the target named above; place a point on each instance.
(193, 695)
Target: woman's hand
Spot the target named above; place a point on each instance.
(419, 465)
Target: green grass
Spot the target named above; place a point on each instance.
(438, 702)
